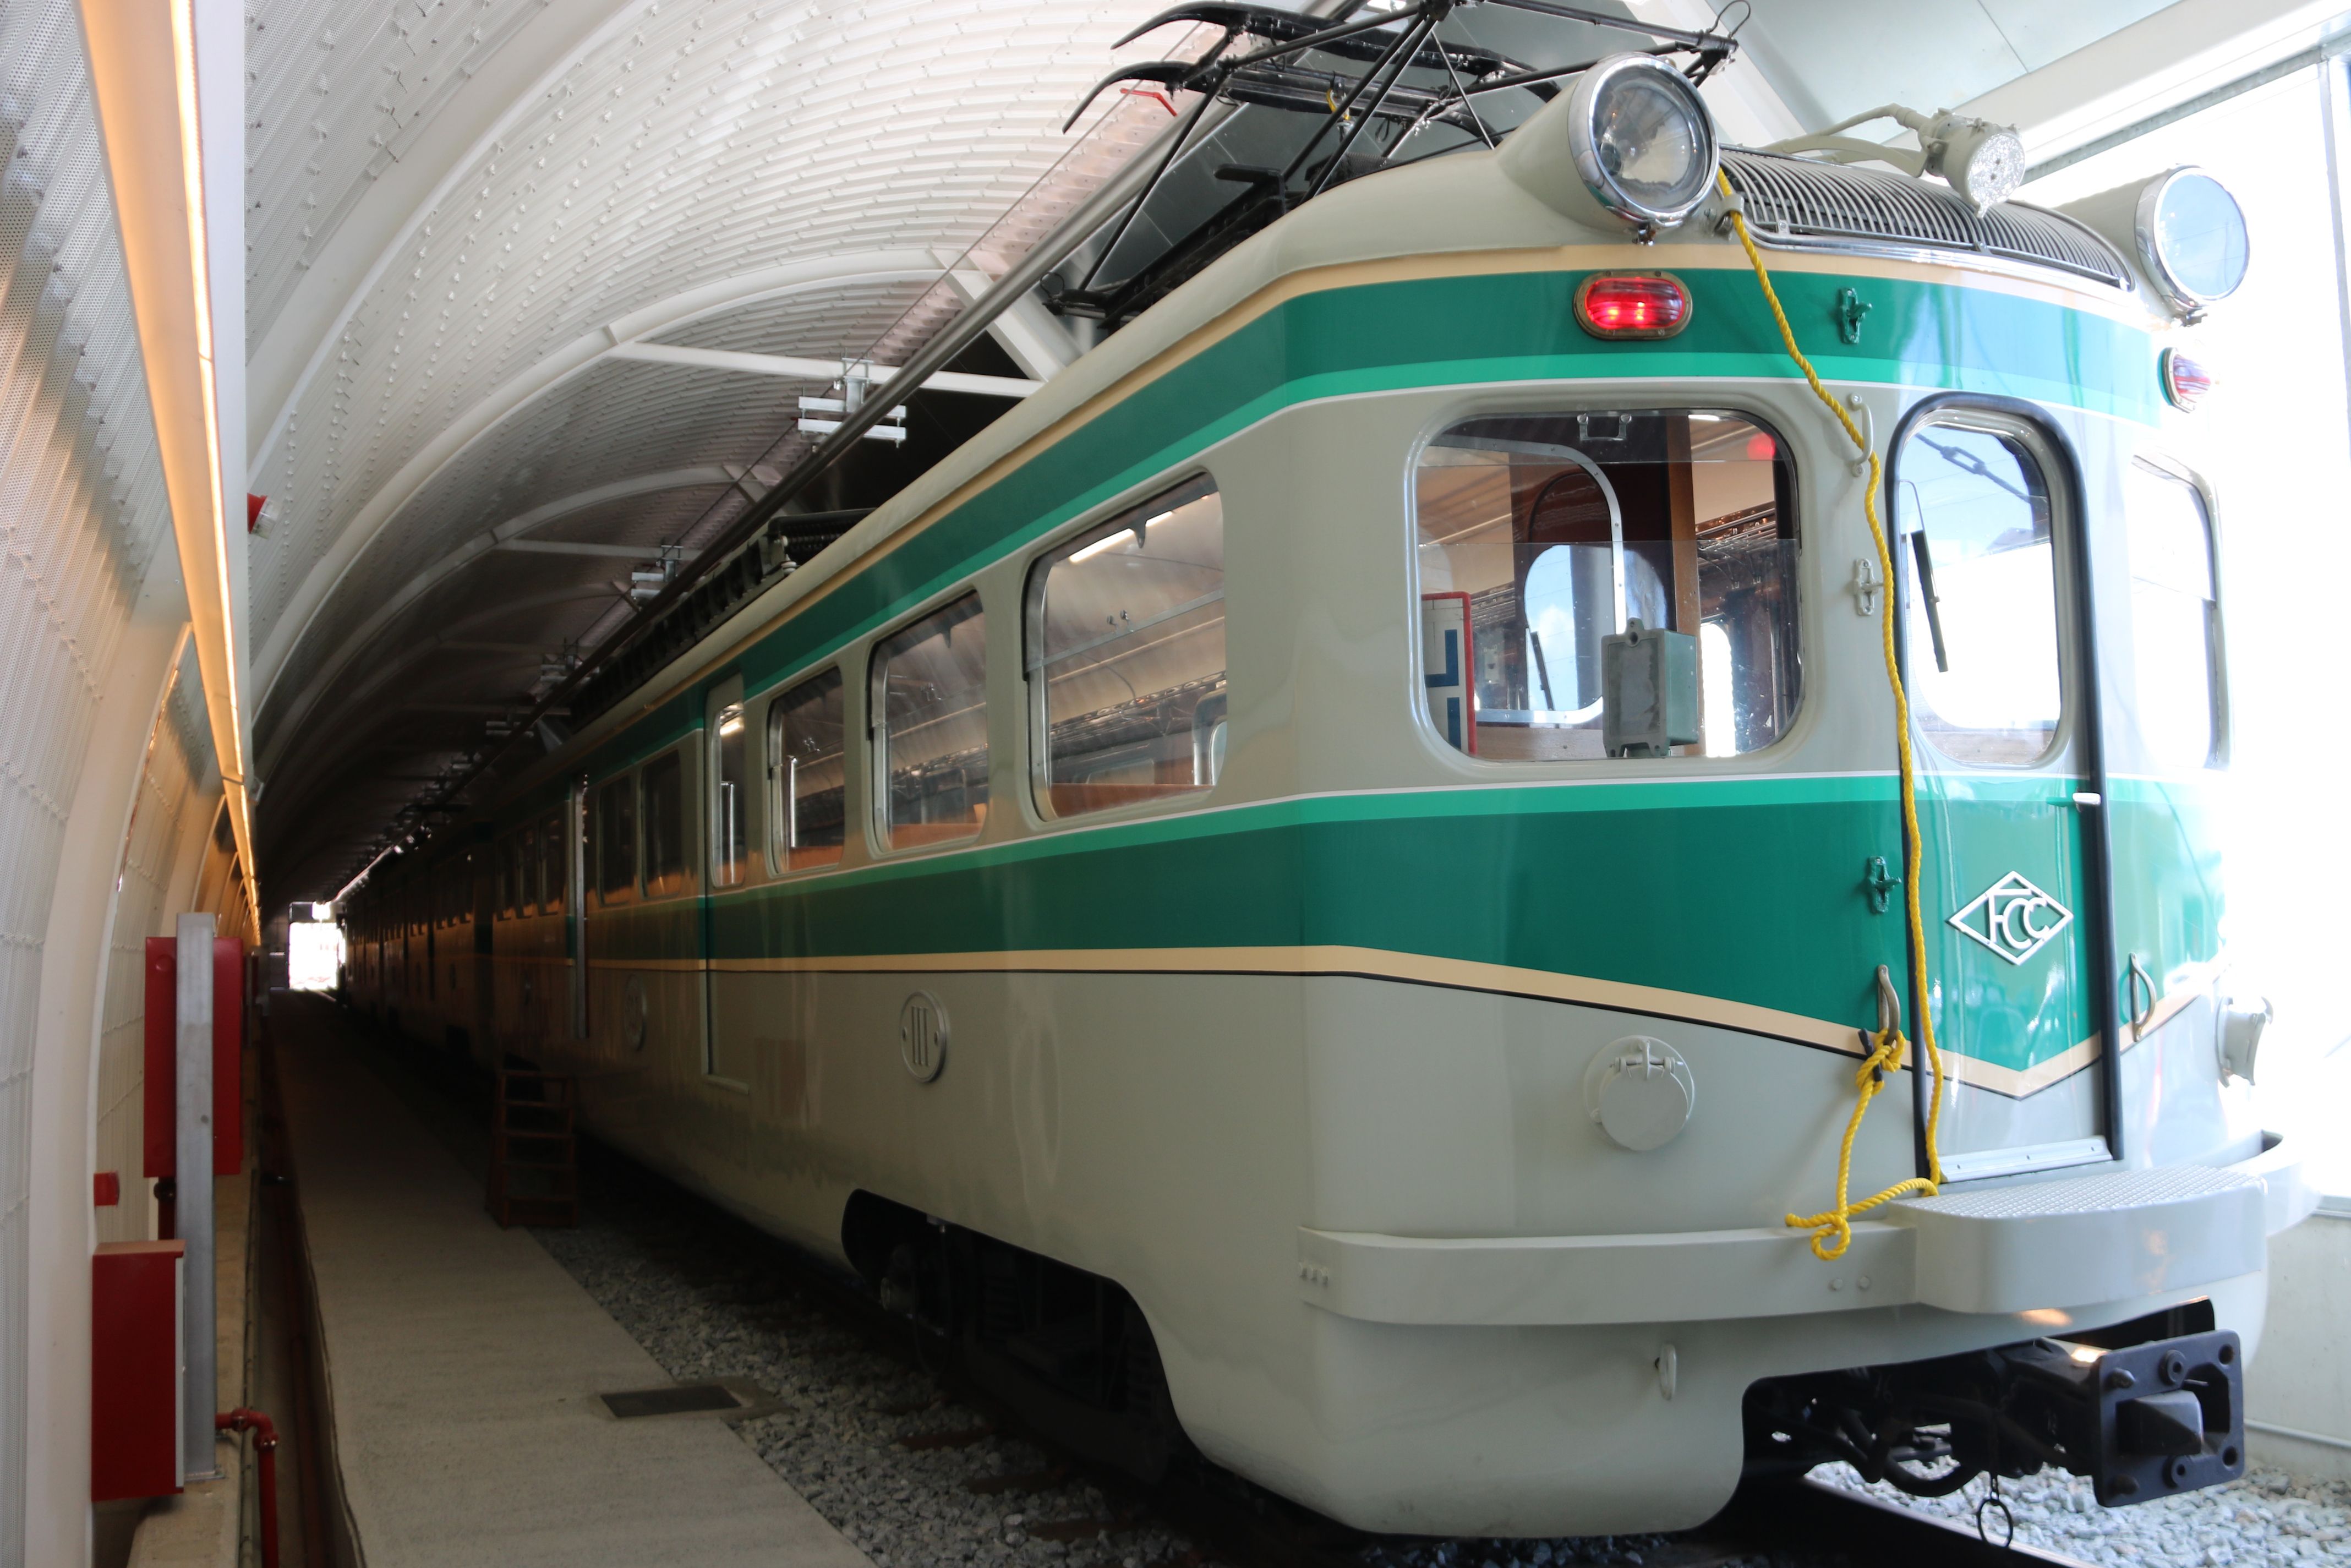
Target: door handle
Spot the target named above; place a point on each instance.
(2136, 980)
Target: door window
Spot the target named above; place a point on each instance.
(2175, 622)
(930, 687)
(806, 730)
(1973, 520)
(1541, 535)
(728, 848)
(1126, 635)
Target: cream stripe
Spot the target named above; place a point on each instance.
(1418, 968)
(1372, 962)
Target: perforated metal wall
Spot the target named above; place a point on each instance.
(81, 514)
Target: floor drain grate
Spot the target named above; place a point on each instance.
(685, 1399)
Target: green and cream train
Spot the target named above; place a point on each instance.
(1321, 891)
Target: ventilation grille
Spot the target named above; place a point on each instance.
(1806, 204)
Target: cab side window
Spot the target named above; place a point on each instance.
(1126, 640)
(1543, 538)
(1973, 525)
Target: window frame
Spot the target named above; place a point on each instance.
(2216, 629)
(551, 836)
(1037, 724)
(688, 882)
(877, 728)
(780, 813)
(2070, 743)
(1569, 404)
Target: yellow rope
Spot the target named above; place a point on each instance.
(1887, 1052)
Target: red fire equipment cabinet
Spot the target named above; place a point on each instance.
(136, 1293)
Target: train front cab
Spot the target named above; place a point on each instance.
(2057, 600)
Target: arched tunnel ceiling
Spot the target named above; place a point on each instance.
(459, 209)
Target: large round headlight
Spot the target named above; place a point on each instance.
(2192, 239)
(1643, 142)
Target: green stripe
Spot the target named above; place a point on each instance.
(1748, 890)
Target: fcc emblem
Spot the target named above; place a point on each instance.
(2013, 918)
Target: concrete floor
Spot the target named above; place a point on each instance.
(462, 1364)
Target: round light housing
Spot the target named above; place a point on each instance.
(2191, 238)
(1631, 305)
(1643, 142)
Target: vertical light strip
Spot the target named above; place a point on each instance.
(192, 174)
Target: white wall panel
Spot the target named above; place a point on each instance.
(81, 516)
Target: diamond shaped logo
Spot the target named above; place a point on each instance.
(2013, 918)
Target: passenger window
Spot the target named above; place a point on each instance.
(664, 789)
(930, 690)
(555, 874)
(1541, 535)
(1974, 524)
(509, 879)
(616, 838)
(805, 731)
(527, 893)
(2175, 625)
(1126, 636)
(729, 807)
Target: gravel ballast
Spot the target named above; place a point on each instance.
(2264, 1518)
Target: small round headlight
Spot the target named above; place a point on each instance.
(1642, 141)
(2191, 238)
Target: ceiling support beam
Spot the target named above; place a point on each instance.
(1040, 342)
(819, 275)
(825, 370)
(581, 547)
(503, 535)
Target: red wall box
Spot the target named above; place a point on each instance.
(162, 1071)
(135, 1374)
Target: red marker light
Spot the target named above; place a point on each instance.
(2185, 381)
(1631, 305)
(1762, 448)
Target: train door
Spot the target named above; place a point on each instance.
(1994, 617)
(727, 837)
(575, 905)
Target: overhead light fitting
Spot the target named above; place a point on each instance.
(1980, 161)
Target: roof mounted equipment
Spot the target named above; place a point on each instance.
(1980, 161)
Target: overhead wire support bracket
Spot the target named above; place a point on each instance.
(1406, 47)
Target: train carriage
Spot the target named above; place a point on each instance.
(1328, 888)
